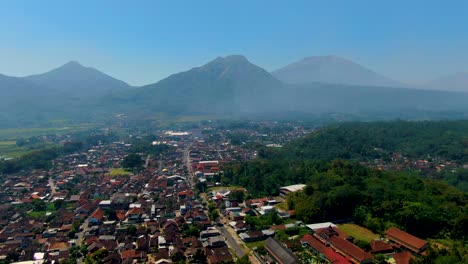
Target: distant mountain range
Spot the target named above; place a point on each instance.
(452, 82)
(332, 69)
(225, 87)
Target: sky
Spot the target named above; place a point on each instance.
(142, 42)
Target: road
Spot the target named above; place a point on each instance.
(52, 187)
(79, 240)
(232, 242)
(147, 161)
(186, 161)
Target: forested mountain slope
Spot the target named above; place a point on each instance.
(364, 141)
(340, 189)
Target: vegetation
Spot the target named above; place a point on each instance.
(347, 190)
(359, 232)
(118, 172)
(133, 161)
(42, 158)
(368, 141)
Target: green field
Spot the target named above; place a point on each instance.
(231, 188)
(9, 149)
(15, 133)
(359, 232)
(255, 244)
(118, 172)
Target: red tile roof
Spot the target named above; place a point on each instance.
(98, 214)
(329, 254)
(129, 254)
(403, 257)
(350, 249)
(407, 240)
(380, 246)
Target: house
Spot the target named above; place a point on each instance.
(252, 236)
(380, 247)
(96, 217)
(134, 214)
(356, 254)
(403, 257)
(209, 233)
(284, 191)
(280, 253)
(406, 240)
(239, 226)
(317, 246)
(218, 255)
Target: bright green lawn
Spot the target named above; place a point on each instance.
(118, 172)
(10, 150)
(358, 232)
(255, 244)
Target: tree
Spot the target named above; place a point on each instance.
(132, 161)
(132, 230)
(199, 257)
(178, 257)
(243, 260)
(111, 214)
(38, 205)
(191, 231)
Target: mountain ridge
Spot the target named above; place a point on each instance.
(224, 87)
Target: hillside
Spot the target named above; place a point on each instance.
(346, 189)
(368, 141)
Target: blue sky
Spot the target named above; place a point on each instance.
(144, 41)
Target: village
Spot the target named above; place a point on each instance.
(89, 209)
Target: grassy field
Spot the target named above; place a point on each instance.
(231, 188)
(118, 172)
(358, 232)
(255, 244)
(9, 149)
(15, 133)
(282, 206)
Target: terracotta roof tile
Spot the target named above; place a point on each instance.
(407, 240)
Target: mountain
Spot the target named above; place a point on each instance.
(23, 102)
(75, 79)
(452, 82)
(71, 92)
(332, 69)
(224, 85)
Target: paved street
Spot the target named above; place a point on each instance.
(232, 242)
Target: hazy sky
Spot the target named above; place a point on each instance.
(144, 41)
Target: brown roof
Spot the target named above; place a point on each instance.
(402, 257)
(218, 255)
(327, 252)
(278, 227)
(58, 246)
(129, 254)
(350, 249)
(98, 214)
(407, 240)
(380, 246)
